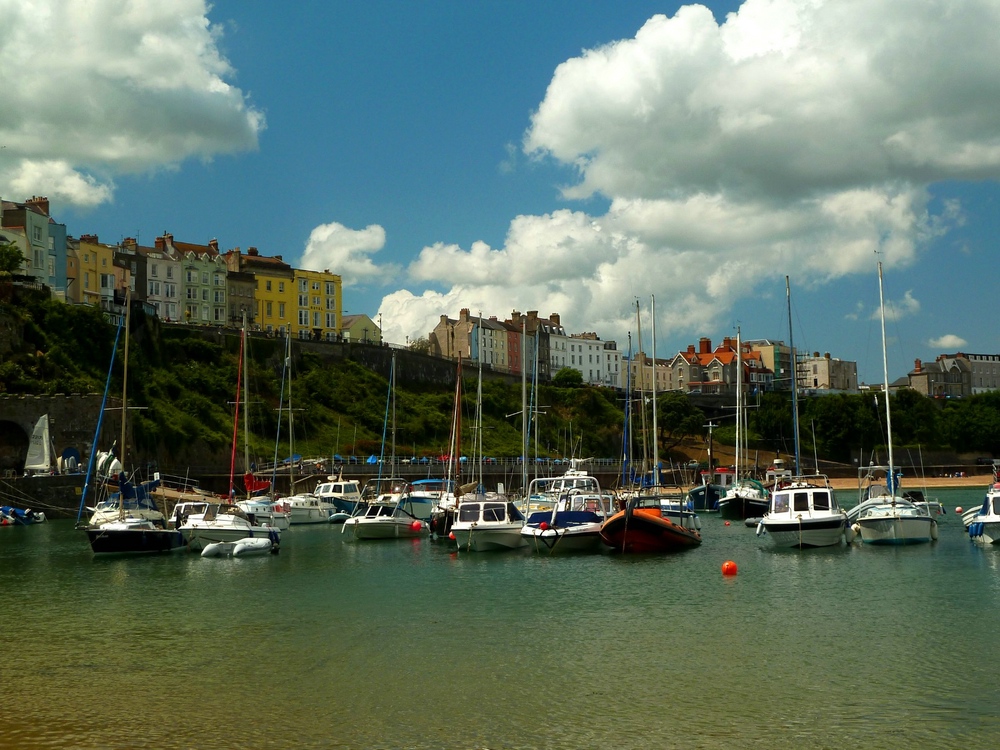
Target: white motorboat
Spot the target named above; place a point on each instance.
(308, 508)
(343, 494)
(385, 521)
(574, 521)
(202, 524)
(804, 513)
(983, 525)
(484, 525)
(266, 511)
(240, 548)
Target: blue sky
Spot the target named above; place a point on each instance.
(563, 157)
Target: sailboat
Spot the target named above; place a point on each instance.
(258, 503)
(391, 514)
(746, 497)
(654, 520)
(136, 528)
(882, 515)
(803, 510)
(39, 458)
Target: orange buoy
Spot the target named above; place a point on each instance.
(451, 535)
(958, 509)
(729, 568)
(727, 523)
(415, 525)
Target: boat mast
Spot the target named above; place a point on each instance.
(891, 476)
(795, 382)
(642, 397)
(478, 448)
(739, 403)
(524, 410)
(656, 442)
(246, 405)
(128, 318)
(236, 414)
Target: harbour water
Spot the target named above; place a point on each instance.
(408, 644)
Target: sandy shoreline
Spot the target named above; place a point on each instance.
(980, 481)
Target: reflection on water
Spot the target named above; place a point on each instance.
(395, 644)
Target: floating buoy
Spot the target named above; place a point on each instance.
(729, 568)
(451, 535)
(543, 526)
(959, 510)
(727, 523)
(415, 525)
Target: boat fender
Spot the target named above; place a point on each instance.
(856, 528)
(934, 531)
(760, 528)
(849, 534)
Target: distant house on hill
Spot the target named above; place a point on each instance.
(360, 328)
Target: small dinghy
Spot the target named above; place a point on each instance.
(240, 548)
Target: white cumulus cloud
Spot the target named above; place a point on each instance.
(797, 137)
(347, 252)
(90, 89)
(949, 342)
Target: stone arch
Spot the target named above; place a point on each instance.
(13, 446)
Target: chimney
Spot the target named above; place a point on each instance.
(39, 202)
(554, 317)
(690, 349)
(160, 244)
(213, 244)
(278, 257)
(91, 238)
(463, 315)
(252, 251)
(826, 355)
(704, 345)
(444, 320)
(815, 355)
(918, 367)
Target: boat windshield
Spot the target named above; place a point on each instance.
(469, 512)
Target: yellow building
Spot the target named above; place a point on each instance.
(97, 275)
(317, 305)
(275, 294)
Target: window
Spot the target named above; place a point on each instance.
(154, 289)
(217, 279)
(170, 272)
(303, 300)
(192, 293)
(36, 232)
(331, 303)
(204, 295)
(281, 287)
(204, 277)
(329, 288)
(268, 313)
(316, 322)
(303, 317)
(154, 270)
(192, 277)
(315, 286)
(801, 502)
(170, 290)
(220, 297)
(267, 285)
(331, 320)
(303, 285)
(315, 301)
(281, 310)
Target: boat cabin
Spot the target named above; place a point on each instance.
(489, 512)
(803, 498)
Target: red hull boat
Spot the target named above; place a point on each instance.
(646, 531)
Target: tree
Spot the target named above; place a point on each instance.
(10, 258)
(677, 418)
(567, 377)
(421, 345)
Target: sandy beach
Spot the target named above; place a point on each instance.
(916, 483)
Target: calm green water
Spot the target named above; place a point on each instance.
(404, 644)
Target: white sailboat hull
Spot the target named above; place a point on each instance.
(896, 528)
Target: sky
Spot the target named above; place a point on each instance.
(571, 156)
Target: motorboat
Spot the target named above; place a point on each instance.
(124, 499)
(572, 523)
(134, 536)
(745, 498)
(642, 527)
(307, 507)
(11, 516)
(343, 494)
(804, 513)
(204, 523)
(484, 525)
(266, 511)
(984, 525)
(385, 520)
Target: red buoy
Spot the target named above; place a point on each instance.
(959, 510)
(415, 525)
(543, 525)
(727, 523)
(729, 568)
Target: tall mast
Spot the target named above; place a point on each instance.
(739, 402)
(128, 318)
(524, 408)
(891, 478)
(795, 381)
(656, 442)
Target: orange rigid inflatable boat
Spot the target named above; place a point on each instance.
(645, 530)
